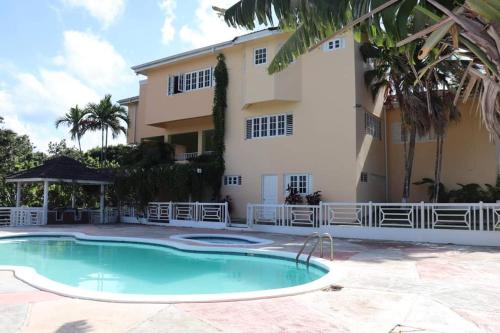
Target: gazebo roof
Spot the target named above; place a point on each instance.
(62, 169)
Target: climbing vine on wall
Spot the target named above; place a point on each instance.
(218, 114)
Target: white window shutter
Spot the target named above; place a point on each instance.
(170, 85)
(212, 76)
(289, 124)
(239, 180)
(248, 132)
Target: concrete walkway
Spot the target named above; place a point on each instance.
(389, 287)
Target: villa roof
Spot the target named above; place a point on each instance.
(62, 169)
(129, 100)
(140, 69)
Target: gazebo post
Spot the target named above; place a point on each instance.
(45, 200)
(73, 199)
(18, 194)
(101, 203)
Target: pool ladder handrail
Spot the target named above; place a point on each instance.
(319, 239)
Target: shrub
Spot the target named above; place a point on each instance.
(314, 199)
(293, 197)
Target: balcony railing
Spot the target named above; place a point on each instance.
(188, 156)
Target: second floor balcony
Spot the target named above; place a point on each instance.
(192, 145)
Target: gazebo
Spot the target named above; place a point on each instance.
(60, 170)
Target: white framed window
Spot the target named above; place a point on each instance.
(334, 44)
(373, 125)
(260, 56)
(301, 182)
(185, 82)
(231, 180)
(269, 126)
(399, 136)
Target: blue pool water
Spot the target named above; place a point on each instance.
(134, 268)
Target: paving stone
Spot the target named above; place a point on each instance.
(173, 320)
(12, 317)
(388, 287)
(9, 284)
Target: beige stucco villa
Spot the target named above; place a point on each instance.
(313, 126)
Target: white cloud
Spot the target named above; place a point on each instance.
(106, 11)
(32, 101)
(210, 28)
(168, 29)
(94, 60)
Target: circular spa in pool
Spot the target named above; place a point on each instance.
(222, 239)
(141, 270)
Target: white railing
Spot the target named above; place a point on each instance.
(460, 223)
(284, 215)
(127, 211)
(455, 216)
(184, 212)
(5, 216)
(24, 216)
(186, 156)
(110, 215)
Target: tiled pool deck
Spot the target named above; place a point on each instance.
(389, 287)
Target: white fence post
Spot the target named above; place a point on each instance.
(249, 214)
(320, 218)
(170, 212)
(422, 214)
(226, 213)
(481, 217)
(370, 214)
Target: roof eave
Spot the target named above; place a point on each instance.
(142, 68)
(58, 180)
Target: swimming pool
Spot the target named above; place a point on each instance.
(221, 239)
(138, 270)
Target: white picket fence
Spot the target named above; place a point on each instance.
(24, 216)
(185, 214)
(5, 216)
(475, 224)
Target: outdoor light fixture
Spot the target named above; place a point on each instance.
(198, 170)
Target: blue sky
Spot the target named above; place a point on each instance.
(58, 53)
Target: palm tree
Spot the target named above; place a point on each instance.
(75, 119)
(392, 72)
(464, 24)
(106, 116)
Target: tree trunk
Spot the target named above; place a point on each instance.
(102, 145)
(79, 145)
(410, 154)
(438, 167)
(106, 146)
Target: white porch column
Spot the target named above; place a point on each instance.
(18, 194)
(101, 203)
(200, 142)
(45, 200)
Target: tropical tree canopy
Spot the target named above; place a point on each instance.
(472, 26)
(106, 116)
(75, 120)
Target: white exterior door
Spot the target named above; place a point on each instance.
(270, 189)
(269, 196)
